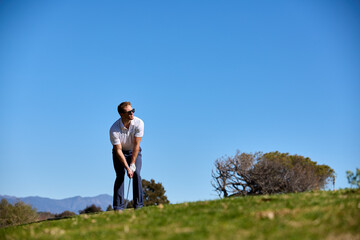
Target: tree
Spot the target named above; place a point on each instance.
(274, 172)
(19, 213)
(91, 209)
(154, 193)
(353, 178)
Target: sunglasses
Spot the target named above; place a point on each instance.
(131, 111)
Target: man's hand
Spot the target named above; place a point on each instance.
(130, 173)
(132, 167)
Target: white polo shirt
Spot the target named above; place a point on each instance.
(119, 134)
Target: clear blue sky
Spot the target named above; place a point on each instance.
(207, 77)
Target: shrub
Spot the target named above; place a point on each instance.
(19, 213)
(65, 214)
(274, 172)
(45, 216)
(91, 209)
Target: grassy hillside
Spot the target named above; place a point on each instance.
(316, 215)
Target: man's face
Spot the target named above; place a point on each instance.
(127, 114)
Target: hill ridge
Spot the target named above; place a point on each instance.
(55, 206)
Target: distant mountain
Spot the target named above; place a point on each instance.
(74, 204)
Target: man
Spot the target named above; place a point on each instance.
(125, 136)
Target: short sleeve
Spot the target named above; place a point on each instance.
(139, 129)
(114, 137)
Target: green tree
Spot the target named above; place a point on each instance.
(19, 213)
(354, 178)
(273, 172)
(154, 193)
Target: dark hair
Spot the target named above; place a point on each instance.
(122, 106)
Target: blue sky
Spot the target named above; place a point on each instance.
(207, 77)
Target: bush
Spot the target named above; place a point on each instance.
(45, 216)
(19, 213)
(91, 209)
(65, 214)
(274, 172)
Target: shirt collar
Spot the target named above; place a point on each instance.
(122, 125)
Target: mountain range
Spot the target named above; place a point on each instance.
(74, 204)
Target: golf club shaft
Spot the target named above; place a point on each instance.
(127, 197)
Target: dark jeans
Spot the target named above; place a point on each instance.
(119, 199)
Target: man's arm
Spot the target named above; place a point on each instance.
(136, 149)
(121, 156)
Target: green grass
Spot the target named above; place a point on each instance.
(313, 215)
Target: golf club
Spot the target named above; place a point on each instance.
(127, 197)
